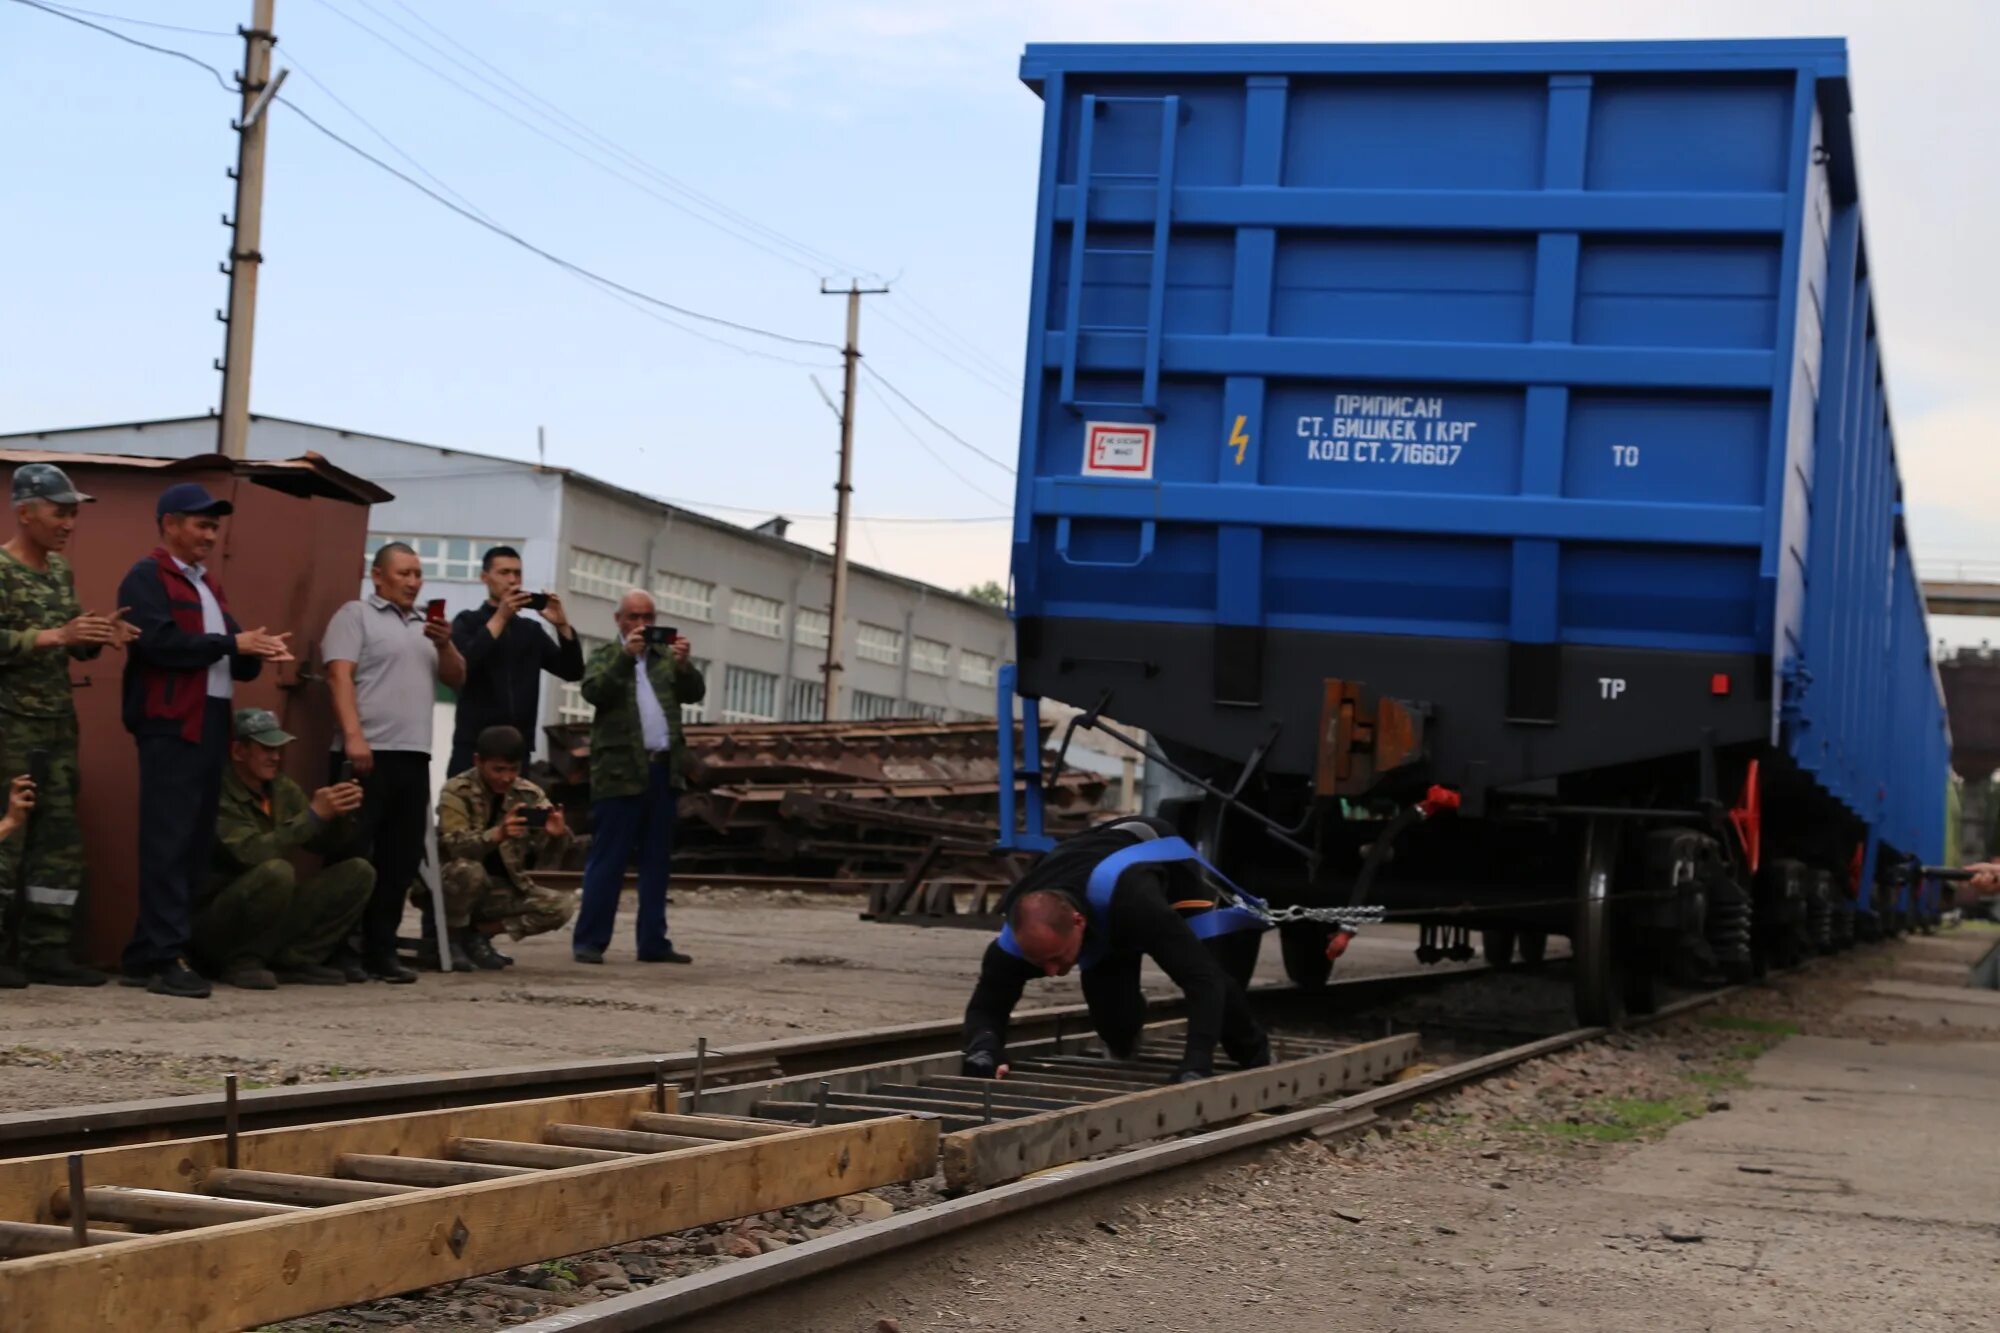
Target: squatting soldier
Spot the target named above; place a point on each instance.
(256, 922)
(494, 828)
(41, 628)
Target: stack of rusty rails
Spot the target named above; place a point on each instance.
(235, 1231)
(1063, 1102)
(908, 804)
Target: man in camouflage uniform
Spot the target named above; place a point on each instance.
(41, 628)
(490, 843)
(638, 763)
(256, 922)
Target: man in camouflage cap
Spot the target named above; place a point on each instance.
(494, 828)
(41, 628)
(256, 921)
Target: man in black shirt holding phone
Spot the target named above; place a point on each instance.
(505, 654)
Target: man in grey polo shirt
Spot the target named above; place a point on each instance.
(384, 660)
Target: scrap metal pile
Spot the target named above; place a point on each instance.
(903, 802)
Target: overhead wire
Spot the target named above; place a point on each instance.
(925, 445)
(140, 23)
(549, 255)
(592, 157)
(53, 11)
(819, 257)
(929, 343)
(947, 431)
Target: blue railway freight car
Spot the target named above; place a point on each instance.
(1473, 465)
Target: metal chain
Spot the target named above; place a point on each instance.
(1330, 916)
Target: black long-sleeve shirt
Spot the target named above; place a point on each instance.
(1141, 920)
(503, 676)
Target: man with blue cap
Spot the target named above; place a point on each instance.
(42, 628)
(179, 683)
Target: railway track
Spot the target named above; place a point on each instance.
(245, 1227)
(667, 1304)
(235, 1229)
(78, 1128)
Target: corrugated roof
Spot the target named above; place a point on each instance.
(310, 475)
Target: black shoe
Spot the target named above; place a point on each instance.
(391, 970)
(136, 980)
(178, 979)
(56, 970)
(426, 957)
(475, 946)
(672, 955)
(350, 966)
(250, 976)
(312, 974)
(12, 978)
(582, 955)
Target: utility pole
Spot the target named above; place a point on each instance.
(247, 228)
(837, 612)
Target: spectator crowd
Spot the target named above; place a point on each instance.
(246, 877)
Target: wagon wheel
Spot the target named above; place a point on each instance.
(1533, 946)
(1597, 971)
(1497, 946)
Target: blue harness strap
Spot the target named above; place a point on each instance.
(1223, 920)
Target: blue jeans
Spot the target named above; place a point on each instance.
(619, 825)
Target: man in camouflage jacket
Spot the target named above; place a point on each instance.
(637, 770)
(494, 829)
(42, 628)
(257, 922)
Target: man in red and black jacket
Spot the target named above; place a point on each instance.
(179, 682)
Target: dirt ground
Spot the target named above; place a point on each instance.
(1780, 1162)
(766, 967)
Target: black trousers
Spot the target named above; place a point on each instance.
(395, 815)
(1118, 1006)
(180, 788)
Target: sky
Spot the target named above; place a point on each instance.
(891, 139)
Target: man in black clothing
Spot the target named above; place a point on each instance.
(505, 655)
(1058, 919)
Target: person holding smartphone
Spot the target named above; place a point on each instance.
(385, 658)
(637, 771)
(495, 829)
(506, 651)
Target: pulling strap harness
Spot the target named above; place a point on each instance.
(1237, 910)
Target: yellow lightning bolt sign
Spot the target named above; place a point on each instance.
(1238, 439)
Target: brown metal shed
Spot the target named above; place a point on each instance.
(290, 556)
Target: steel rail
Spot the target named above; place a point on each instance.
(75, 1128)
(663, 1305)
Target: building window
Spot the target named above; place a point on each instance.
(749, 696)
(697, 712)
(806, 702)
(572, 708)
(684, 598)
(974, 668)
(810, 630)
(865, 707)
(603, 576)
(930, 657)
(874, 643)
(454, 559)
(757, 615)
(928, 712)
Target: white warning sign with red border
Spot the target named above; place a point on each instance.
(1118, 449)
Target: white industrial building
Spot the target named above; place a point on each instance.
(753, 604)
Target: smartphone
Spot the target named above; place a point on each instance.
(538, 601)
(661, 635)
(346, 772)
(537, 817)
(38, 770)
(434, 611)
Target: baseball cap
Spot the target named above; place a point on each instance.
(261, 725)
(46, 481)
(191, 497)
